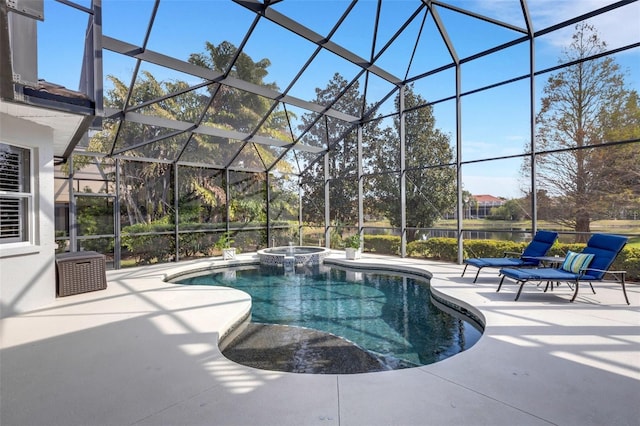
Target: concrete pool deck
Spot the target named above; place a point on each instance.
(144, 352)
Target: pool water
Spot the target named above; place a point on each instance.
(390, 316)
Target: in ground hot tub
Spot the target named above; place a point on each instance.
(293, 255)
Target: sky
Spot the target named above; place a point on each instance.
(495, 123)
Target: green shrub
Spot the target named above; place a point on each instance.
(491, 248)
(382, 244)
(628, 260)
(145, 247)
(197, 244)
(434, 248)
(149, 248)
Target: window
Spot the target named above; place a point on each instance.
(15, 193)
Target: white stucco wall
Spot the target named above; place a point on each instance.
(27, 274)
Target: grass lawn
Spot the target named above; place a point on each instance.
(604, 226)
(608, 226)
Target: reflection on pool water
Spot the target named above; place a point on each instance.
(389, 315)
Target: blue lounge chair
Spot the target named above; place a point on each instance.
(601, 251)
(539, 246)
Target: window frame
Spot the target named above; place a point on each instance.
(26, 212)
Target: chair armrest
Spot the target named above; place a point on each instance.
(614, 273)
(512, 252)
(618, 275)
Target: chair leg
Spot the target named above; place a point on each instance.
(477, 273)
(575, 293)
(465, 269)
(624, 290)
(520, 290)
(500, 285)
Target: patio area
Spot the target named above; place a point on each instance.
(144, 352)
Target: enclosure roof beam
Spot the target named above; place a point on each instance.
(479, 16)
(184, 126)
(319, 40)
(137, 52)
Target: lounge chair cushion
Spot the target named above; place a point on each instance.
(576, 262)
(541, 243)
(605, 247)
(544, 274)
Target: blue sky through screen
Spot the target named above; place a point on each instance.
(495, 123)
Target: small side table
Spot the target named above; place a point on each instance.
(551, 262)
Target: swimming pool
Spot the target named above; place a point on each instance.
(391, 316)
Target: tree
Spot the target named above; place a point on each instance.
(585, 106)
(510, 210)
(620, 165)
(147, 186)
(430, 187)
(232, 108)
(343, 154)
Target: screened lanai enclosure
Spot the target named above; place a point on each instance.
(308, 121)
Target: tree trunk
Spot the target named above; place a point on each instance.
(413, 235)
(583, 224)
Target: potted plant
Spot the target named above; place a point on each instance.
(352, 247)
(224, 244)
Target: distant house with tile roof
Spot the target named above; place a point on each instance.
(483, 204)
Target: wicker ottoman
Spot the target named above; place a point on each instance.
(80, 272)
